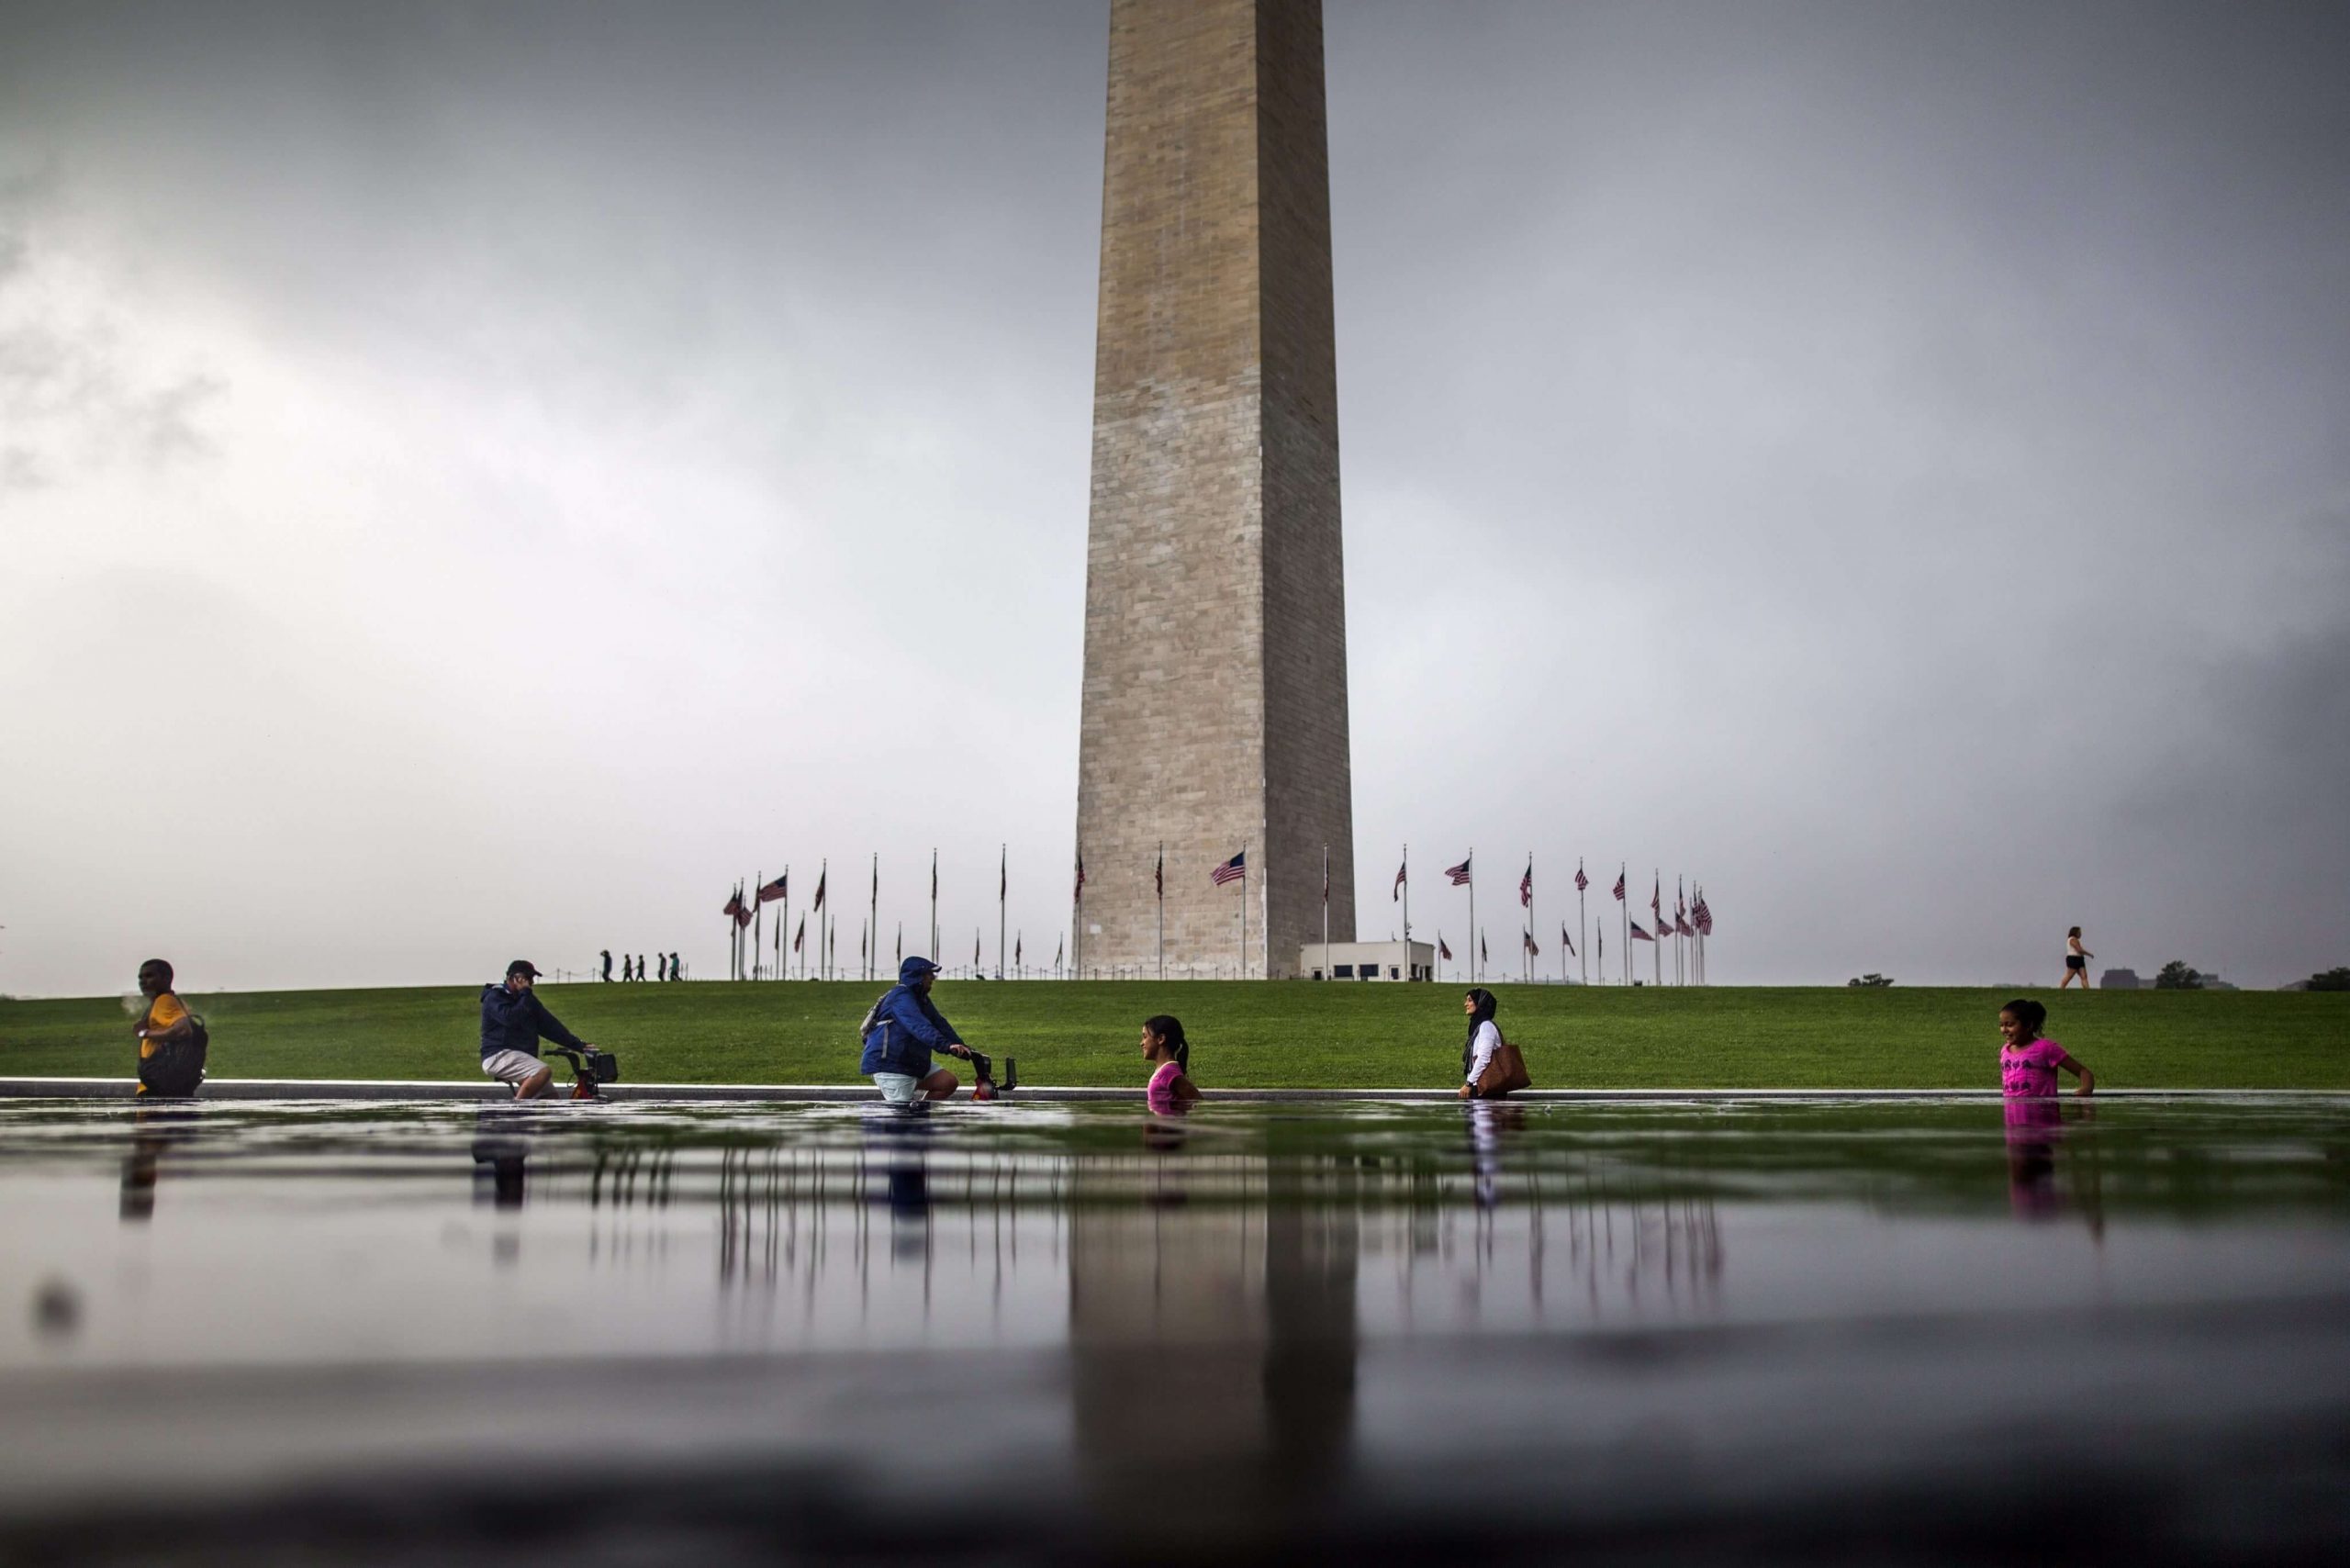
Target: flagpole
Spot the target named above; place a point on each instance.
(1325, 911)
(1407, 897)
(1656, 958)
(1003, 891)
(1244, 911)
(933, 904)
(759, 922)
(1162, 909)
(1524, 958)
(1623, 913)
(824, 919)
(1583, 931)
(1476, 965)
(782, 964)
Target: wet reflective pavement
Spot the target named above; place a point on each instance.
(1903, 1331)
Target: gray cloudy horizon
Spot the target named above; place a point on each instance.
(480, 480)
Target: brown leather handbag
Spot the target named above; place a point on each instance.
(1504, 1073)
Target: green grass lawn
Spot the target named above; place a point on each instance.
(1257, 1034)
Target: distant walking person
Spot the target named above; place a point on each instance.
(901, 1031)
(607, 953)
(512, 1020)
(676, 967)
(640, 966)
(628, 969)
(2076, 961)
(171, 1040)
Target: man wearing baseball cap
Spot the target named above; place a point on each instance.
(512, 1020)
(900, 1033)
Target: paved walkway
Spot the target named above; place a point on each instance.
(462, 1090)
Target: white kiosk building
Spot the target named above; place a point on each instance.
(1368, 961)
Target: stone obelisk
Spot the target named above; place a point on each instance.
(1214, 716)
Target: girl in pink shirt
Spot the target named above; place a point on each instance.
(1163, 1045)
(2028, 1059)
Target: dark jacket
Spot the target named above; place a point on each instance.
(903, 1027)
(513, 1021)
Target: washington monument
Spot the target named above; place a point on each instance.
(1214, 714)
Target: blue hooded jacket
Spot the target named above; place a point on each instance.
(513, 1021)
(903, 1027)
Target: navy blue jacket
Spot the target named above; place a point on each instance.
(513, 1021)
(904, 1029)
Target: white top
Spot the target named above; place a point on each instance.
(1482, 1048)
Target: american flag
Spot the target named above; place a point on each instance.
(1581, 882)
(1003, 882)
(975, 949)
(1567, 942)
(1680, 926)
(1325, 873)
(734, 910)
(1459, 874)
(799, 937)
(1160, 875)
(1231, 870)
(778, 889)
(1639, 935)
(1656, 901)
(1530, 946)
(1441, 950)
(1081, 876)
(1705, 915)
(1619, 887)
(819, 888)
(1397, 891)
(1016, 949)
(1058, 948)
(1525, 884)
(1484, 954)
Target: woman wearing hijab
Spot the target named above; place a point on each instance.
(1485, 1039)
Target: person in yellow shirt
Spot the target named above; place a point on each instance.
(171, 1041)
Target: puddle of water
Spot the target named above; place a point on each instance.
(1904, 1330)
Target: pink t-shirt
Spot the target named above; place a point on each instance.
(2032, 1071)
(1160, 1096)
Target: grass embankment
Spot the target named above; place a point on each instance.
(1257, 1034)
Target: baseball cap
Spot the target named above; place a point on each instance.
(522, 967)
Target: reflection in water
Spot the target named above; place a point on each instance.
(1212, 1345)
(155, 1129)
(2035, 1131)
(1285, 1330)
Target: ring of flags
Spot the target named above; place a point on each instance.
(1691, 917)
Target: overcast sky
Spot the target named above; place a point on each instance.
(477, 480)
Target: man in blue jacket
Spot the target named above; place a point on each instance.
(900, 1033)
(512, 1019)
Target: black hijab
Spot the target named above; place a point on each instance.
(1484, 1015)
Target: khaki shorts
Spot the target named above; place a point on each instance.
(899, 1088)
(512, 1067)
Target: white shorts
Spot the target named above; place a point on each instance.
(512, 1067)
(899, 1088)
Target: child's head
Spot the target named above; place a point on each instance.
(1162, 1040)
(2019, 1021)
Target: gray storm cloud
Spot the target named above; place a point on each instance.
(481, 480)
